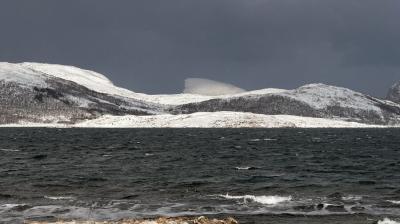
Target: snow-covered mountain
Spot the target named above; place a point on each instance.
(34, 93)
(313, 100)
(54, 93)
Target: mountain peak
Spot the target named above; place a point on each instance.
(67, 72)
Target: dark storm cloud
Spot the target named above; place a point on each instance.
(152, 46)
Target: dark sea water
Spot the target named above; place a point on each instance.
(255, 175)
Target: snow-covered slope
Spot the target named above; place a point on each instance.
(313, 100)
(222, 119)
(33, 74)
(16, 73)
(91, 80)
(217, 120)
(321, 96)
(46, 93)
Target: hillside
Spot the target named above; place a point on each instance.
(34, 93)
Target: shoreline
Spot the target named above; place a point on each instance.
(221, 119)
(355, 219)
(162, 220)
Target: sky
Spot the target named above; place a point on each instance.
(152, 46)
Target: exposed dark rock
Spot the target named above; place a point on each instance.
(320, 206)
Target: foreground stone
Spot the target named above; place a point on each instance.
(179, 220)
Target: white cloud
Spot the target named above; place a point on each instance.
(209, 87)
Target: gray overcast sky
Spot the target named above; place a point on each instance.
(153, 45)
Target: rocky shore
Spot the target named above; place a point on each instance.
(178, 220)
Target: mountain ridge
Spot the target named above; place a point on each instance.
(47, 93)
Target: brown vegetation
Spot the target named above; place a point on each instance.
(179, 220)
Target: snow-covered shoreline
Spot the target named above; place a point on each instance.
(223, 119)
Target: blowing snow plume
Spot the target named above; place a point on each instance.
(209, 87)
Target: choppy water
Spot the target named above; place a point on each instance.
(255, 175)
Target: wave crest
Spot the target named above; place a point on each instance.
(388, 221)
(266, 200)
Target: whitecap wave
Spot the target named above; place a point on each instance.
(9, 150)
(245, 168)
(255, 140)
(388, 221)
(10, 206)
(352, 198)
(59, 197)
(270, 139)
(266, 200)
(394, 202)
